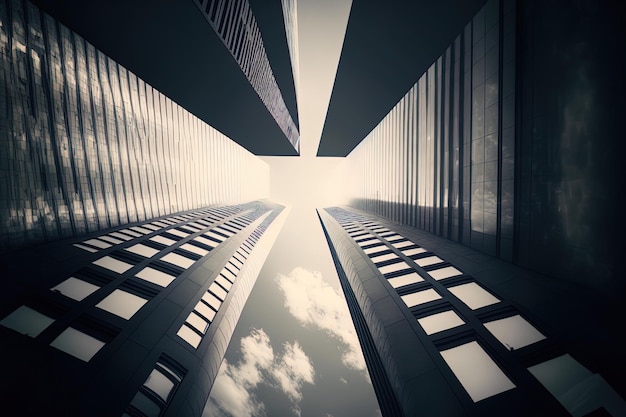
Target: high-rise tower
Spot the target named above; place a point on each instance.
(448, 331)
(131, 232)
(132, 320)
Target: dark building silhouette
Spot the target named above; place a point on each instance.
(498, 168)
(133, 320)
(448, 331)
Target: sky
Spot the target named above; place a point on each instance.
(295, 350)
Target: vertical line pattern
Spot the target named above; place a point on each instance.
(86, 145)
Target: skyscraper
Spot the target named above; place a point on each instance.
(134, 319)
(447, 331)
(479, 162)
(132, 232)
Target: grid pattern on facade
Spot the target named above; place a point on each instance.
(126, 275)
(86, 145)
(473, 330)
(197, 323)
(234, 23)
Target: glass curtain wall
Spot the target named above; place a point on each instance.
(86, 145)
(442, 160)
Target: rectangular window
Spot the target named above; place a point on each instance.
(113, 264)
(439, 322)
(197, 322)
(212, 300)
(141, 230)
(378, 248)
(87, 248)
(163, 240)
(143, 250)
(120, 235)
(413, 251)
(368, 241)
(477, 372)
(383, 258)
(122, 303)
(215, 236)
(205, 241)
(429, 260)
(97, 243)
(205, 311)
(27, 321)
(189, 336)
(404, 244)
(189, 229)
(402, 280)
(155, 276)
(229, 275)
(194, 249)
(218, 291)
(223, 282)
(130, 233)
(398, 266)
(75, 288)
(111, 240)
(178, 260)
(473, 295)
(514, 332)
(420, 297)
(443, 273)
(151, 227)
(177, 232)
(77, 344)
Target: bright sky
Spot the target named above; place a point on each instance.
(295, 351)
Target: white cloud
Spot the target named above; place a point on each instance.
(314, 302)
(233, 391)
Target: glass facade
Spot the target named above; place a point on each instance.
(86, 145)
(431, 322)
(442, 160)
(234, 23)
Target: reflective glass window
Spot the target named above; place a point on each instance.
(398, 266)
(429, 260)
(162, 240)
(77, 344)
(75, 288)
(420, 297)
(403, 280)
(122, 303)
(192, 248)
(178, 260)
(189, 336)
(514, 332)
(446, 272)
(113, 264)
(97, 243)
(473, 295)
(155, 276)
(477, 372)
(143, 250)
(27, 321)
(440, 321)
